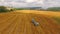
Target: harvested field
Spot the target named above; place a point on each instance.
(20, 22)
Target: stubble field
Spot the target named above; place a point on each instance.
(20, 22)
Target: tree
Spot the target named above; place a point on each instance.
(54, 8)
(3, 9)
